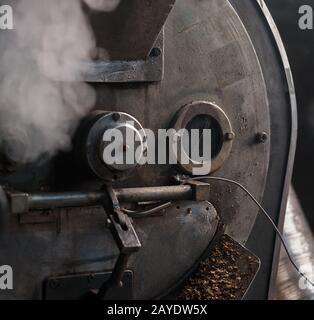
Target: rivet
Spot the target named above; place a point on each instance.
(156, 52)
(230, 136)
(116, 116)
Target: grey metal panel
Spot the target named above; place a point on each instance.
(283, 122)
(129, 32)
(150, 69)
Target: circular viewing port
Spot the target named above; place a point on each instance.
(201, 116)
(205, 122)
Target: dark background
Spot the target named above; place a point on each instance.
(300, 48)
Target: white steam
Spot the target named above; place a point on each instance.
(49, 43)
(103, 5)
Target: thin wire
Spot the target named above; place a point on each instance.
(279, 234)
(142, 214)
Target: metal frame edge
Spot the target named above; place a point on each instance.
(293, 139)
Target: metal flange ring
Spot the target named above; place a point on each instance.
(188, 117)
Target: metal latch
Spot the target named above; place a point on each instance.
(127, 241)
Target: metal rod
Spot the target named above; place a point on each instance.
(44, 201)
(70, 199)
(167, 193)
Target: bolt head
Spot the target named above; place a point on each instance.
(261, 137)
(230, 136)
(156, 52)
(116, 116)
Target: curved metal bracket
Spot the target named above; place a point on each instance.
(294, 128)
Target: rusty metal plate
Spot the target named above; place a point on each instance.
(78, 287)
(225, 275)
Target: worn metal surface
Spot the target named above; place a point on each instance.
(283, 141)
(293, 136)
(207, 61)
(78, 287)
(128, 243)
(201, 190)
(193, 226)
(90, 144)
(150, 69)
(210, 57)
(130, 31)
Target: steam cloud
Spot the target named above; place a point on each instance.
(38, 112)
(102, 5)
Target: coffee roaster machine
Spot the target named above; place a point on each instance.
(74, 227)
